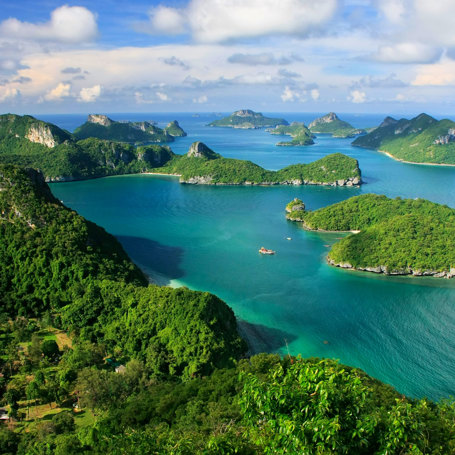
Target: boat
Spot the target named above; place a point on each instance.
(266, 251)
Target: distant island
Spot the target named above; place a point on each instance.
(332, 124)
(102, 127)
(421, 140)
(300, 134)
(201, 165)
(26, 141)
(248, 119)
(390, 236)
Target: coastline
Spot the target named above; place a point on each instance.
(413, 162)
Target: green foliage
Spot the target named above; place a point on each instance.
(401, 235)
(300, 134)
(335, 127)
(248, 119)
(412, 140)
(326, 170)
(174, 129)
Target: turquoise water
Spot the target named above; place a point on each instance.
(398, 329)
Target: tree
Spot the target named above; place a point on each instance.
(50, 349)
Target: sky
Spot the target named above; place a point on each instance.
(360, 56)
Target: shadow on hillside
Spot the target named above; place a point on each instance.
(160, 262)
(261, 338)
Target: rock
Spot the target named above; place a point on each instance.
(200, 150)
(388, 121)
(199, 180)
(41, 134)
(99, 119)
(329, 118)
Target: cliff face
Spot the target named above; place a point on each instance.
(41, 134)
(99, 119)
(329, 118)
(200, 150)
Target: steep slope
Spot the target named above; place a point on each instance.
(332, 124)
(248, 119)
(300, 134)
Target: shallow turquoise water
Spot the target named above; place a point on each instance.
(400, 330)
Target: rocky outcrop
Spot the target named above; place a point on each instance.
(199, 180)
(386, 271)
(444, 140)
(200, 150)
(329, 118)
(40, 133)
(142, 126)
(174, 129)
(388, 121)
(99, 119)
(246, 113)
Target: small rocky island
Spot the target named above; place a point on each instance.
(248, 119)
(332, 124)
(201, 165)
(389, 236)
(300, 134)
(102, 127)
(421, 140)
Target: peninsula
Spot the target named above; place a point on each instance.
(390, 236)
(300, 134)
(332, 124)
(248, 119)
(201, 165)
(421, 140)
(102, 127)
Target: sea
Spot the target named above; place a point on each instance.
(400, 330)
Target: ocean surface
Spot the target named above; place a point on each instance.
(400, 330)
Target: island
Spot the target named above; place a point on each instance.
(300, 134)
(421, 140)
(389, 236)
(201, 165)
(248, 119)
(332, 124)
(102, 127)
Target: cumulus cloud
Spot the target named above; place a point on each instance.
(162, 96)
(219, 21)
(265, 58)
(62, 90)
(357, 97)
(291, 95)
(90, 94)
(200, 100)
(8, 93)
(315, 94)
(174, 61)
(439, 74)
(411, 52)
(68, 24)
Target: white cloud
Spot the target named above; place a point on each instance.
(169, 21)
(265, 58)
(162, 96)
(200, 100)
(215, 21)
(400, 97)
(357, 97)
(291, 95)
(407, 53)
(439, 74)
(393, 10)
(89, 94)
(315, 94)
(68, 24)
(62, 90)
(7, 93)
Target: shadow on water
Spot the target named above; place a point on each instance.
(261, 338)
(160, 262)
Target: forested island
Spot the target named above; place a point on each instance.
(102, 127)
(96, 360)
(332, 124)
(300, 134)
(391, 236)
(201, 165)
(248, 119)
(422, 140)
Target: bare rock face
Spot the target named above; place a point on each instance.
(41, 134)
(200, 150)
(329, 118)
(245, 113)
(99, 119)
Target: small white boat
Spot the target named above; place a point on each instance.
(263, 250)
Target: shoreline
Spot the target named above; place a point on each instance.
(413, 162)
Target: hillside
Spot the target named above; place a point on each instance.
(422, 139)
(102, 127)
(29, 142)
(300, 134)
(248, 119)
(202, 165)
(397, 236)
(332, 124)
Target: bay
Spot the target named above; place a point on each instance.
(398, 329)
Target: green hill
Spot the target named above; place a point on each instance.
(29, 142)
(422, 139)
(300, 134)
(103, 127)
(203, 166)
(248, 119)
(397, 236)
(331, 124)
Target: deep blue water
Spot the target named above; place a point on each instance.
(398, 329)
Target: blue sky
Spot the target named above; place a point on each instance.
(385, 56)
